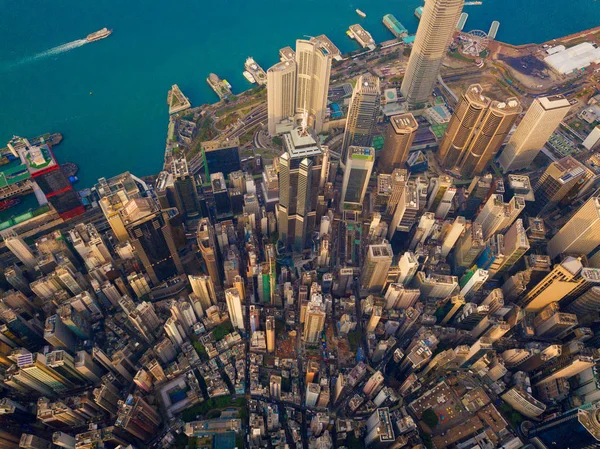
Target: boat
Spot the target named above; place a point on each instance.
(473, 3)
(7, 204)
(100, 34)
(257, 72)
(249, 77)
(226, 84)
(360, 13)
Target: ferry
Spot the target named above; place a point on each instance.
(101, 34)
(257, 72)
(473, 3)
(7, 204)
(360, 13)
(249, 77)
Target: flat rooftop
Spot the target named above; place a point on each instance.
(215, 145)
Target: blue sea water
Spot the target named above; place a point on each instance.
(108, 98)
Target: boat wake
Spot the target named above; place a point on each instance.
(51, 52)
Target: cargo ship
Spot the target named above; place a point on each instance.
(256, 71)
(221, 87)
(7, 204)
(360, 13)
(101, 34)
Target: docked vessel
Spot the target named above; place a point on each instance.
(360, 13)
(100, 34)
(473, 3)
(7, 204)
(221, 87)
(249, 77)
(256, 71)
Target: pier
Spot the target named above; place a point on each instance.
(177, 101)
(362, 36)
(494, 29)
(462, 21)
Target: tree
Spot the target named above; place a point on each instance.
(430, 418)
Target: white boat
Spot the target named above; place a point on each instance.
(249, 77)
(360, 13)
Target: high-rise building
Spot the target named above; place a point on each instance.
(138, 418)
(523, 402)
(51, 180)
(436, 28)
(152, 237)
(540, 121)
(313, 69)
(299, 176)
(453, 234)
(314, 319)
(399, 136)
(20, 249)
(476, 131)
(362, 115)
(281, 94)
(234, 305)
(205, 237)
(186, 195)
(359, 164)
(221, 156)
(270, 333)
(204, 290)
(581, 234)
(515, 245)
(559, 179)
(376, 266)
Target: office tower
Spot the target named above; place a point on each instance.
(476, 194)
(299, 175)
(399, 135)
(559, 179)
(234, 305)
(587, 304)
(270, 331)
(313, 70)
(281, 94)
(221, 156)
(362, 116)
(469, 245)
(437, 25)
(581, 234)
(374, 320)
(58, 334)
(380, 429)
(139, 284)
(275, 386)
(174, 331)
(481, 347)
(204, 289)
(592, 139)
(63, 439)
(312, 394)
(29, 441)
(186, 195)
(424, 228)
(557, 325)
(359, 164)
(540, 121)
(152, 237)
(516, 245)
(409, 265)
(523, 402)
(434, 285)
(314, 320)
(456, 230)
(564, 366)
(373, 385)
(20, 249)
(476, 131)
(563, 279)
(138, 418)
(497, 216)
(89, 244)
(472, 282)
(398, 297)
(15, 277)
(85, 365)
(377, 263)
(51, 180)
(206, 243)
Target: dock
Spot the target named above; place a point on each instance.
(177, 101)
(396, 28)
(256, 71)
(221, 87)
(362, 36)
(462, 21)
(494, 29)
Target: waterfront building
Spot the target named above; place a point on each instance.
(359, 165)
(362, 116)
(434, 34)
(581, 234)
(476, 131)
(281, 94)
(221, 156)
(186, 194)
(313, 68)
(540, 121)
(399, 135)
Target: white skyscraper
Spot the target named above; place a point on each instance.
(20, 249)
(540, 121)
(281, 93)
(234, 305)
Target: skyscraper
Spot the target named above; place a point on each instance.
(377, 264)
(362, 115)
(152, 237)
(221, 156)
(313, 68)
(581, 234)
(359, 165)
(560, 178)
(542, 118)
(20, 249)
(399, 136)
(234, 305)
(314, 319)
(281, 94)
(270, 334)
(205, 237)
(476, 130)
(186, 196)
(438, 23)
